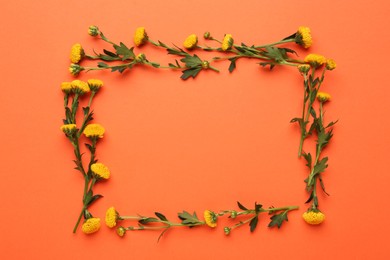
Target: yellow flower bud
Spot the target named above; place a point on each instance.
(94, 131)
(323, 97)
(330, 64)
(76, 53)
(191, 42)
(313, 217)
(101, 171)
(91, 225)
(227, 42)
(140, 36)
(210, 218)
(303, 37)
(93, 30)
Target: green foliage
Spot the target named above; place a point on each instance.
(124, 51)
(277, 219)
(188, 219)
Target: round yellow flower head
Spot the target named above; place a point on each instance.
(76, 53)
(323, 97)
(313, 217)
(140, 36)
(111, 217)
(95, 84)
(227, 42)
(315, 60)
(304, 68)
(69, 129)
(121, 231)
(191, 42)
(80, 87)
(330, 64)
(101, 171)
(91, 225)
(93, 30)
(94, 131)
(75, 69)
(303, 37)
(66, 87)
(210, 218)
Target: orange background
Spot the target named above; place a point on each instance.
(174, 145)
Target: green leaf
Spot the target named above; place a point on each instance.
(322, 185)
(147, 220)
(94, 198)
(188, 219)
(124, 51)
(192, 61)
(241, 206)
(120, 68)
(331, 124)
(277, 220)
(292, 36)
(190, 73)
(102, 65)
(161, 216)
(258, 207)
(109, 53)
(232, 65)
(308, 159)
(253, 223)
(162, 233)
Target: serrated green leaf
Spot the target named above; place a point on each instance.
(188, 219)
(124, 51)
(253, 223)
(192, 61)
(258, 207)
(190, 73)
(241, 206)
(277, 220)
(308, 159)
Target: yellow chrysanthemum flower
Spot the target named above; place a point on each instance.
(303, 37)
(94, 131)
(66, 87)
(121, 231)
(191, 42)
(313, 217)
(304, 68)
(227, 42)
(315, 60)
(93, 30)
(210, 218)
(95, 84)
(76, 53)
(111, 217)
(330, 64)
(80, 87)
(75, 69)
(101, 171)
(140, 36)
(323, 97)
(69, 129)
(91, 225)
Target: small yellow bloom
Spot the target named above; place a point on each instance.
(91, 225)
(121, 231)
(101, 171)
(140, 36)
(315, 60)
(66, 87)
(111, 217)
(304, 68)
(75, 69)
(323, 97)
(303, 37)
(80, 87)
(94, 131)
(313, 217)
(210, 218)
(95, 84)
(93, 30)
(140, 58)
(330, 64)
(191, 42)
(76, 53)
(69, 129)
(227, 42)
(207, 35)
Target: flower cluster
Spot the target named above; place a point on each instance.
(121, 57)
(210, 219)
(73, 130)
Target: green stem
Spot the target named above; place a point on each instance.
(78, 220)
(275, 43)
